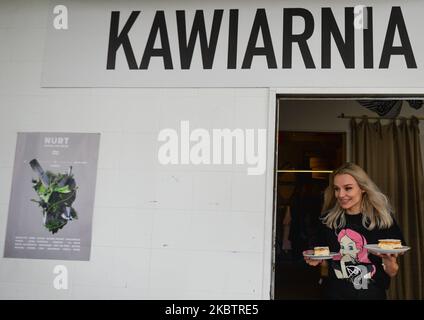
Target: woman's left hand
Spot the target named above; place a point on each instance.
(390, 264)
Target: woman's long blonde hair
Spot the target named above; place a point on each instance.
(375, 207)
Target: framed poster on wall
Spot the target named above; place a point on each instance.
(52, 198)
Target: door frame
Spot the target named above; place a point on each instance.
(274, 97)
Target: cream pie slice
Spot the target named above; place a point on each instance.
(389, 244)
(321, 251)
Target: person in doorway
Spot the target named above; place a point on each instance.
(286, 243)
(356, 213)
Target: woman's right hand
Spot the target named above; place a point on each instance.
(309, 261)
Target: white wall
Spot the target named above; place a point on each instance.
(181, 232)
(322, 115)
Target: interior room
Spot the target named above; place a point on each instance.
(314, 138)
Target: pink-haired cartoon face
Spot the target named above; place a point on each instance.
(348, 247)
(352, 245)
(352, 254)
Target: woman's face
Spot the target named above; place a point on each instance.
(348, 193)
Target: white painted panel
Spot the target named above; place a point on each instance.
(248, 192)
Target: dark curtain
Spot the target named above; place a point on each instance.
(391, 155)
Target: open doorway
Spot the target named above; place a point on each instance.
(306, 157)
(305, 160)
(311, 141)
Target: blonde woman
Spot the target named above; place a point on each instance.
(356, 213)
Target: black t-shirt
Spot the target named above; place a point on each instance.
(355, 272)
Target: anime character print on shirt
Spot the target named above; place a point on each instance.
(352, 261)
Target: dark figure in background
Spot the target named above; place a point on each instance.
(286, 189)
(305, 207)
